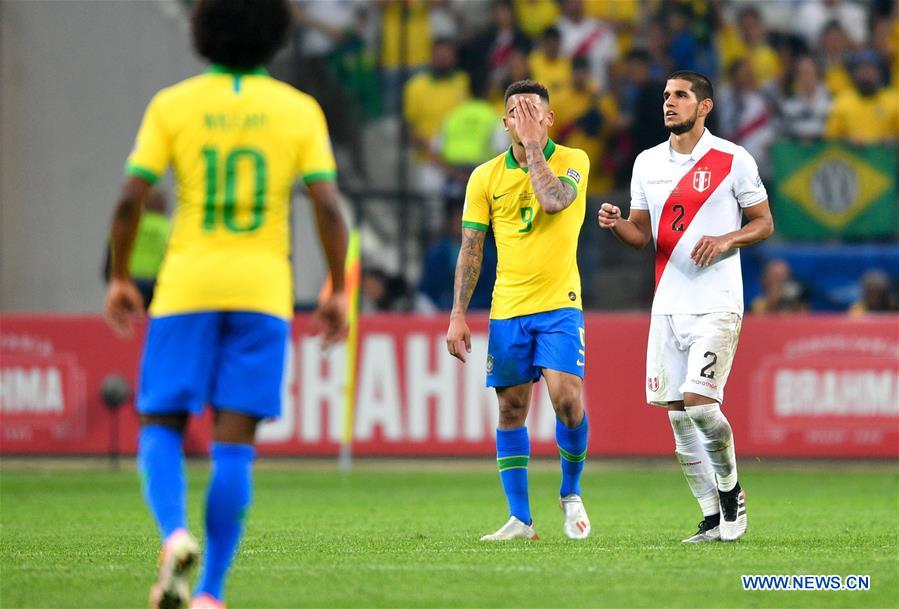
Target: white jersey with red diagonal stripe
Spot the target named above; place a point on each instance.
(688, 197)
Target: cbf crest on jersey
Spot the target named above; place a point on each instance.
(702, 180)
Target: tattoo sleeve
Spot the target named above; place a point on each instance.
(468, 268)
(553, 194)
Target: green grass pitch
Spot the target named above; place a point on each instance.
(405, 534)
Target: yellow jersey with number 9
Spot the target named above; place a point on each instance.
(537, 252)
(237, 142)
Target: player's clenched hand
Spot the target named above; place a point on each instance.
(458, 338)
(609, 215)
(123, 305)
(707, 249)
(330, 319)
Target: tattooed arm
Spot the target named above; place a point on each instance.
(553, 194)
(468, 269)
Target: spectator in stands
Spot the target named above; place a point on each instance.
(744, 116)
(534, 16)
(655, 40)
(379, 291)
(435, 289)
(547, 64)
(781, 294)
(867, 113)
(472, 16)
(588, 37)
(406, 29)
(752, 43)
(429, 97)
(331, 31)
(622, 15)
(639, 104)
(585, 118)
(885, 42)
(516, 69)
(803, 113)
(813, 16)
(149, 245)
(323, 24)
(470, 135)
(835, 51)
(373, 290)
(683, 48)
(489, 52)
(445, 17)
(876, 295)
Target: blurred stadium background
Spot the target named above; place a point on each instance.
(412, 90)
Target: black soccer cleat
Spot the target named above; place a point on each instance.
(733, 513)
(708, 530)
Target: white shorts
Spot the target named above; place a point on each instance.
(690, 354)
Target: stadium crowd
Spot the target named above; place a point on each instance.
(808, 70)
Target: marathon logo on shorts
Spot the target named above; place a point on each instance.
(706, 383)
(574, 175)
(652, 383)
(702, 180)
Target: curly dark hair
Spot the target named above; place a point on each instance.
(526, 86)
(240, 34)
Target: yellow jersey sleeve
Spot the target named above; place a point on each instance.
(316, 160)
(476, 212)
(575, 170)
(152, 148)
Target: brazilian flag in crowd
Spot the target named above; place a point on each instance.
(829, 190)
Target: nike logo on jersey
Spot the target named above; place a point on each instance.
(580, 363)
(495, 197)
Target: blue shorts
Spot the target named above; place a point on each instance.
(519, 348)
(231, 360)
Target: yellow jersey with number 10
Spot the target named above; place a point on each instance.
(537, 268)
(237, 142)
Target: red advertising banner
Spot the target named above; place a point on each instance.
(804, 386)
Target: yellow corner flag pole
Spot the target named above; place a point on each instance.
(352, 277)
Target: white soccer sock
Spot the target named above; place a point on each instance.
(694, 462)
(718, 441)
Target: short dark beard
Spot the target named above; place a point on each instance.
(683, 127)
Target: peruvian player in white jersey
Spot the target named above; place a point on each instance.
(689, 195)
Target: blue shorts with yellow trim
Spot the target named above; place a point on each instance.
(519, 348)
(230, 360)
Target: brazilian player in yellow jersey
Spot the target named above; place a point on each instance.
(237, 141)
(534, 197)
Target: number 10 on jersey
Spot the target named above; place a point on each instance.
(221, 189)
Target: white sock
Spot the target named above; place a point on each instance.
(694, 462)
(718, 441)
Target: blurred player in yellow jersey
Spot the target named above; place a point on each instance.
(237, 140)
(534, 197)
